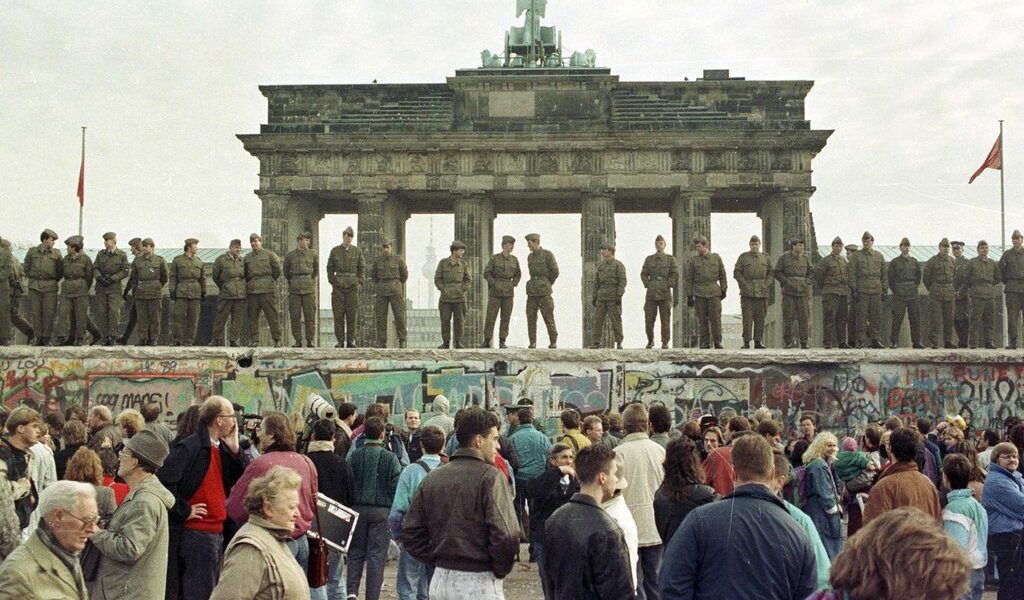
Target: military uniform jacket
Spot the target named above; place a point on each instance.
(705, 275)
(958, 276)
(832, 274)
(262, 269)
(1011, 266)
(300, 269)
(452, 279)
(113, 264)
(610, 282)
(543, 272)
(148, 277)
(8, 273)
(346, 267)
(868, 272)
(17, 274)
(77, 276)
(754, 274)
(44, 268)
(794, 274)
(904, 277)
(660, 275)
(188, 277)
(939, 273)
(229, 275)
(503, 275)
(981, 278)
(390, 275)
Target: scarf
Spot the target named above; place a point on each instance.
(70, 560)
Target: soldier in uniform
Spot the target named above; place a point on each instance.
(793, 270)
(543, 273)
(17, 291)
(301, 266)
(753, 273)
(135, 245)
(660, 276)
(188, 291)
(452, 279)
(851, 307)
(833, 279)
(868, 282)
(962, 312)
(938, 276)
(74, 291)
(262, 270)
(229, 275)
(147, 280)
(980, 281)
(8, 282)
(346, 270)
(609, 286)
(904, 279)
(1011, 266)
(707, 284)
(44, 269)
(109, 268)
(389, 274)
(502, 274)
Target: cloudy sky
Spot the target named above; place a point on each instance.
(914, 91)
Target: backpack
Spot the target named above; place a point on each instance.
(800, 491)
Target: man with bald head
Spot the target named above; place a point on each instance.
(200, 471)
(100, 423)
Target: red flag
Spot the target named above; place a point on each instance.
(81, 182)
(994, 160)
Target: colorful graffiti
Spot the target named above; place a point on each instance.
(844, 396)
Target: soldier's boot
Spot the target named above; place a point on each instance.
(746, 344)
(123, 340)
(30, 337)
(309, 344)
(553, 343)
(803, 345)
(443, 346)
(618, 345)
(350, 343)
(298, 344)
(718, 345)
(277, 343)
(893, 344)
(340, 345)
(758, 346)
(501, 343)
(5, 341)
(151, 342)
(664, 345)
(1012, 345)
(532, 345)
(401, 343)
(877, 344)
(650, 342)
(486, 344)
(234, 343)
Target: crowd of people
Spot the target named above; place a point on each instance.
(615, 505)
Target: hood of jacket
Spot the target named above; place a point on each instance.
(441, 405)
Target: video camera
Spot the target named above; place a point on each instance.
(317, 407)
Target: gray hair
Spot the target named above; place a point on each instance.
(269, 488)
(64, 495)
(101, 411)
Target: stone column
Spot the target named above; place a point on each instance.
(474, 222)
(691, 216)
(370, 210)
(274, 229)
(596, 227)
(796, 224)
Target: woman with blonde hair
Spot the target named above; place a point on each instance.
(822, 491)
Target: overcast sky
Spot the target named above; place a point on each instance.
(914, 91)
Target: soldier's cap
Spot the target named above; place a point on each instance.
(511, 408)
(524, 402)
(700, 240)
(135, 241)
(904, 242)
(507, 239)
(533, 237)
(255, 236)
(6, 243)
(837, 241)
(1016, 234)
(305, 235)
(867, 236)
(754, 238)
(851, 247)
(982, 243)
(48, 233)
(148, 242)
(957, 244)
(75, 240)
(608, 246)
(659, 238)
(385, 243)
(191, 241)
(944, 242)
(110, 235)
(795, 241)
(457, 245)
(349, 231)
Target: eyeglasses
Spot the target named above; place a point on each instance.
(227, 416)
(86, 522)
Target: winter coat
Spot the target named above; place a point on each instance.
(591, 560)
(259, 467)
(441, 418)
(1004, 500)
(133, 547)
(376, 471)
(643, 466)
(966, 521)
(185, 467)
(34, 572)
(531, 447)
(669, 513)
(333, 473)
(902, 485)
(259, 566)
(822, 505)
(821, 560)
(750, 532)
(546, 495)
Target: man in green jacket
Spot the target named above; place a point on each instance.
(389, 273)
(502, 274)
(938, 277)
(981, 282)
(262, 270)
(187, 285)
(346, 270)
(868, 282)
(962, 312)
(8, 283)
(707, 285)
(43, 267)
(17, 291)
(609, 286)
(833, 279)
(110, 268)
(135, 246)
(301, 266)
(660, 276)
(904, 279)
(543, 273)
(793, 270)
(148, 277)
(229, 275)
(1011, 266)
(851, 310)
(452, 279)
(754, 275)
(74, 291)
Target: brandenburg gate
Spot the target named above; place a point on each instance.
(536, 132)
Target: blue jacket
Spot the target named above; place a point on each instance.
(822, 503)
(1003, 500)
(408, 481)
(745, 546)
(532, 448)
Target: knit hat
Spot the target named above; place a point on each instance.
(849, 444)
(149, 447)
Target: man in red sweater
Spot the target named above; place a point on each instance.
(200, 471)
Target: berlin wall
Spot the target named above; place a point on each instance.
(845, 389)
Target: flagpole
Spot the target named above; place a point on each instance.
(1002, 190)
(81, 205)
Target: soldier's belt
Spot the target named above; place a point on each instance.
(346, 274)
(388, 278)
(657, 278)
(67, 278)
